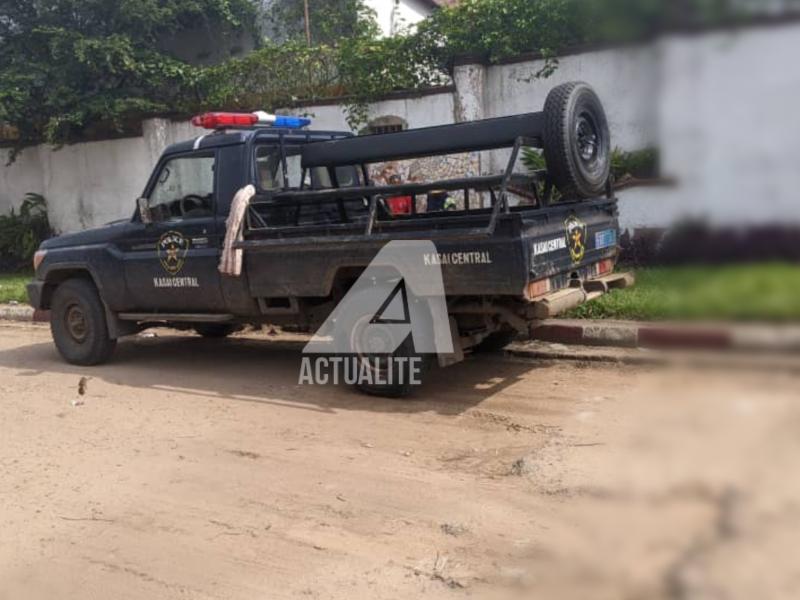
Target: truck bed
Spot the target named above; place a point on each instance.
(482, 251)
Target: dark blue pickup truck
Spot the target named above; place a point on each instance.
(513, 248)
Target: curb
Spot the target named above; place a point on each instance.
(590, 355)
(617, 334)
(663, 336)
(24, 313)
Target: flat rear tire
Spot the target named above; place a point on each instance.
(215, 330)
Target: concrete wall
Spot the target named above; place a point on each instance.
(720, 106)
(729, 125)
(425, 111)
(93, 183)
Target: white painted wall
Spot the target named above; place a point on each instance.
(436, 109)
(729, 122)
(626, 80)
(89, 184)
(721, 107)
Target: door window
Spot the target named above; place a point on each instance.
(184, 189)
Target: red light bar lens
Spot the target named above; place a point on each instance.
(217, 120)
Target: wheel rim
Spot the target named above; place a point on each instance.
(373, 348)
(77, 325)
(587, 138)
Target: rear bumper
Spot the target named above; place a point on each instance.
(555, 303)
(36, 294)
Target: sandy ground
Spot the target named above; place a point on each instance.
(199, 469)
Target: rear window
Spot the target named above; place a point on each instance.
(271, 175)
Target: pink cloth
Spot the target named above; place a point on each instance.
(231, 261)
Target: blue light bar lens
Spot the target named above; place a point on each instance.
(291, 122)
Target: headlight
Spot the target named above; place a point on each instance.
(38, 258)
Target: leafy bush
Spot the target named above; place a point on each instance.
(273, 75)
(637, 164)
(22, 232)
(69, 66)
(330, 21)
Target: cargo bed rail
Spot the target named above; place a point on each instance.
(374, 229)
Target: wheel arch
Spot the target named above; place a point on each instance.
(57, 275)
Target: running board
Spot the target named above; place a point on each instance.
(175, 317)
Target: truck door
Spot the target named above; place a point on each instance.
(171, 263)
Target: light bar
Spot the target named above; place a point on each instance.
(217, 120)
(280, 121)
(221, 120)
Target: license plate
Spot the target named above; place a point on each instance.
(605, 238)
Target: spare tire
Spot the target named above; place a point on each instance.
(576, 140)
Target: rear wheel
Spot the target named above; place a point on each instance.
(392, 374)
(400, 378)
(78, 323)
(496, 341)
(576, 140)
(215, 330)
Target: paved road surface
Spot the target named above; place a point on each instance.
(199, 469)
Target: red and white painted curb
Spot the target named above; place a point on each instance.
(23, 312)
(705, 336)
(620, 334)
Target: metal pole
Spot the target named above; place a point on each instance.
(308, 22)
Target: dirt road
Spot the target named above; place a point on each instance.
(198, 469)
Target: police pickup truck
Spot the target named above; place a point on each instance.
(510, 248)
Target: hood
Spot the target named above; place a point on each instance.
(98, 235)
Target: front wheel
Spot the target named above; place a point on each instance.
(78, 323)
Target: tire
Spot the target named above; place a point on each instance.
(350, 333)
(496, 341)
(400, 386)
(576, 141)
(215, 330)
(78, 324)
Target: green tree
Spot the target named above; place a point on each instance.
(330, 21)
(69, 64)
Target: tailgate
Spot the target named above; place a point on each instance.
(569, 238)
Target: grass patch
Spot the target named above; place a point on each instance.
(755, 292)
(12, 287)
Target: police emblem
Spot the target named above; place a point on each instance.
(172, 249)
(576, 238)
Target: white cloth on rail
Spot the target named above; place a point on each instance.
(231, 261)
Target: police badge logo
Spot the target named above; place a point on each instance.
(576, 238)
(172, 250)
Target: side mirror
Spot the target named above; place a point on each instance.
(145, 216)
